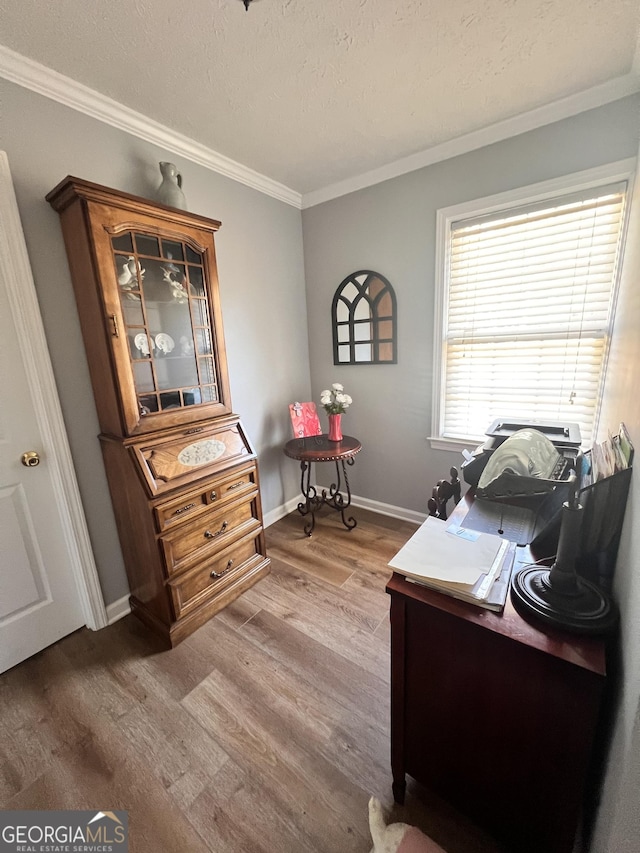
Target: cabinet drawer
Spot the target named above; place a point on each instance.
(194, 542)
(213, 576)
(231, 487)
(217, 491)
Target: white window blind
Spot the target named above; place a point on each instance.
(528, 310)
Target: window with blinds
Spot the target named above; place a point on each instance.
(527, 311)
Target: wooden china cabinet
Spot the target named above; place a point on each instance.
(182, 473)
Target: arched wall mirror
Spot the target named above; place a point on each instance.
(363, 317)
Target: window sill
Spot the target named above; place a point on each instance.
(456, 445)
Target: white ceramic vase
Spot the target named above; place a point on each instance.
(170, 190)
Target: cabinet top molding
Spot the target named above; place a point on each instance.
(70, 188)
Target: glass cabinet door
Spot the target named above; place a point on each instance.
(168, 327)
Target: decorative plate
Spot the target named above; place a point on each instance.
(143, 343)
(201, 452)
(165, 343)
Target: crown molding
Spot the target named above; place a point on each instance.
(597, 96)
(45, 81)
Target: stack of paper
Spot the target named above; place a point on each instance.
(465, 564)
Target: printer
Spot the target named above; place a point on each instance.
(522, 458)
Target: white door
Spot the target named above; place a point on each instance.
(48, 580)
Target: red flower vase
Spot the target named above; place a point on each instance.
(335, 427)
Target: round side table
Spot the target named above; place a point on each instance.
(318, 448)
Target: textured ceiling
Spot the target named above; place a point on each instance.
(313, 92)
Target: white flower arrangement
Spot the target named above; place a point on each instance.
(334, 400)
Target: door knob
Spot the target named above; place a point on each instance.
(31, 458)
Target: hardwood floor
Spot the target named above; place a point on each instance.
(266, 730)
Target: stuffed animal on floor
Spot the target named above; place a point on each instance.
(397, 837)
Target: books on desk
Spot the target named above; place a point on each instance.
(607, 458)
(465, 564)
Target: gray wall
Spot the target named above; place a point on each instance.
(390, 228)
(259, 250)
(618, 826)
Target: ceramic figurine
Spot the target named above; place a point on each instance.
(131, 269)
(178, 288)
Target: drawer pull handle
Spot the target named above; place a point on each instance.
(219, 574)
(213, 496)
(236, 486)
(209, 535)
(184, 509)
(194, 430)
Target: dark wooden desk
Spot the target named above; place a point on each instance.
(495, 714)
(318, 448)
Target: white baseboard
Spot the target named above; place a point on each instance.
(389, 509)
(118, 609)
(365, 503)
(279, 512)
